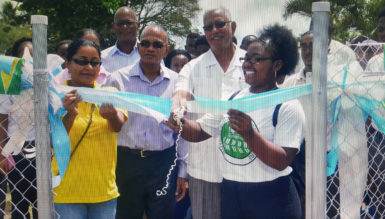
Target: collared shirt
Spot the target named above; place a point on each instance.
(204, 77)
(144, 132)
(113, 58)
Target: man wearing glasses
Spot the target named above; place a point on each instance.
(216, 74)
(146, 148)
(125, 51)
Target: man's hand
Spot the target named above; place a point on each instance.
(181, 188)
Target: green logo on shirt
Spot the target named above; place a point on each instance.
(234, 149)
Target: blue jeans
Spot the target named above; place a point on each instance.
(101, 210)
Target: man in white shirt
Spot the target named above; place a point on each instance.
(125, 51)
(216, 74)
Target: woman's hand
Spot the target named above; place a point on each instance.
(70, 103)
(240, 122)
(114, 117)
(107, 111)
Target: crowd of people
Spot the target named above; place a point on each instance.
(237, 165)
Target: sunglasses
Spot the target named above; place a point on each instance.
(147, 44)
(254, 60)
(86, 62)
(127, 23)
(217, 24)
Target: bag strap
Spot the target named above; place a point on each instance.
(85, 132)
(275, 114)
(234, 94)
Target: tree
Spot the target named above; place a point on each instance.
(351, 17)
(67, 17)
(11, 27)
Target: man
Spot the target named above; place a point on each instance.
(190, 44)
(146, 148)
(216, 74)
(125, 51)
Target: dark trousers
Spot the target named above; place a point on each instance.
(273, 199)
(138, 180)
(22, 183)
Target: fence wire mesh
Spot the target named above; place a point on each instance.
(357, 188)
(18, 191)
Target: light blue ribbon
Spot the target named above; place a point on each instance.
(332, 156)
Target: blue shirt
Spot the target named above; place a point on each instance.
(113, 58)
(144, 132)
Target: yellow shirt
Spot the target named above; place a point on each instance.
(90, 175)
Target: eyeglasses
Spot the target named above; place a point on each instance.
(217, 24)
(86, 62)
(127, 23)
(254, 60)
(147, 44)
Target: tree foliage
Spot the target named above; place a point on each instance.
(351, 17)
(11, 27)
(67, 17)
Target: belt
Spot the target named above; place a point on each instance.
(141, 152)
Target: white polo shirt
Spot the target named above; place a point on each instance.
(204, 77)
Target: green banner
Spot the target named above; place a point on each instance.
(10, 75)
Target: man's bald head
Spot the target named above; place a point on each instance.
(124, 11)
(155, 30)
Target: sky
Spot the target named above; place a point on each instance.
(251, 16)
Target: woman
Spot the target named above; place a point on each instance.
(88, 188)
(176, 59)
(92, 35)
(256, 152)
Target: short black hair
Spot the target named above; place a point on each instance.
(74, 47)
(192, 36)
(170, 55)
(62, 43)
(17, 45)
(283, 46)
(86, 31)
(247, 40)
(201, 41)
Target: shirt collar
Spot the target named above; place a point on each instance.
(137, 71)
(116, 50)
(234, 62)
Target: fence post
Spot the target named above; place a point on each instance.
(40, 85)
(319, 79)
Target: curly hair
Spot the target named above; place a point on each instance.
(283, 46)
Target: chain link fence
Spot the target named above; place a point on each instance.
(18, 190)
(357, 188)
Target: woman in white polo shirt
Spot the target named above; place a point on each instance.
(257, 153)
